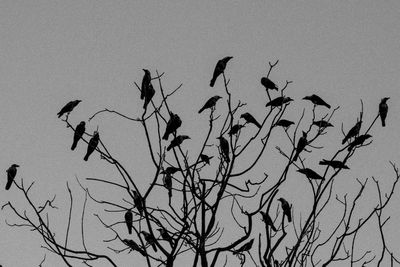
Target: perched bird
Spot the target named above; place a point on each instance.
(244, 248)
(383, 110)
(358, 141)
(322, 124)
(79, 131)
(205, 158)
(151, 240)
(177, 141)
(224, 146)
(336, 164)
(170, 170)
(284, 123)
(148, 95)
(137, 200)
(210, 103)
(129, 220)
(219, 68)
(268, 84)
(93, 142)
(353, 132)
(286, 208)
(301, 144)
(134, 246)
(167, 180)
(267, 220)
(166, 236)
(235, 129)
(279, 101)
(311, 174)
(145, 83)
(316, 100)
(11, 173)
(250, 119)
(172, 125)
(68, 107)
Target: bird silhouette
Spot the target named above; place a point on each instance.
(224, 146)
(383, 110)
(235, 129)
(353, 132)
(219, 68)
(129, 220)
(166, 236)
(148, 95)
(137, 200)
(358, 141)
(167, 180)
(68, 107)
(205, 158)
(150, 239)
(246, 247)
(172, 125)
(170, 170)
(311, 174)
(322, 124)
(268, 84)
(177, 141)
(134, 246)
(336, 164)
(93, 142)
(267, 220)
(279, 101)
(301, 144)
(11, 173)
(145, 83)
(79, 131)
(316, 100)
(210, 103)
(250, 119)
(286, 208)
(284, 123)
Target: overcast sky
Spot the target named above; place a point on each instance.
(52, 52)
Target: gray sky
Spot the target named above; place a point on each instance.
(52, 52)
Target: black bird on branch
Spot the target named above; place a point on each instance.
(11, 173)
(322, 124)
(383, 110)
(311, 174)
(79, 131)
(210, 103)
(354, 131)
(235, 129)
(145, 83)
(137, 200)
(132, 245)
(148, 95)
(224, 146)
(268, 221)
(279, 101)
(151, 240)
(336, 164)
(177, 141)
(316, 100)
(129, 220)
(93, 142)
(250, 119)
(167, 180)
(286, 208)
(172, 125)
(268, 84)
(166, 236)
(219, 69)
(358, 141)
(301, 144)
(244, 248)
(284, 123)
(68, 107)
(205, 158)
(170, 170)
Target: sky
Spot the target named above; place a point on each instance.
(52, 52)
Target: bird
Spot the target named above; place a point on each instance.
(177, 141)
(79, 131)
(286, 208)
(322, 124)
(11, 173)
(205, 158)
(93, 142)
(284, 123)
(137, 200)
(148, 95)
(358, 141)
(244, 248)
(301, 144)
(353, 132)
(311, 174)
(210, 103)
(224, 146)
(173, 124)
(219, 68)
(129, 220)
(151, 240)
(279, 101)
(134, 246)
(167, 180)
(235, 129)
(316, 100)
(170, 170)
(267, 220)
(336, 164)
(268, 84)
(383, 110)
(250, 119)
(145, 83)
(68, 107)
(166, 236)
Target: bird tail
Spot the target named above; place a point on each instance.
(212, 82)
(74, 145)
(383, 123)
(8, 185)
(130, 230)
(257, 124)
(344, 141)
(59, 114)
(154, 247)
(165, 136)
(169, 148)
(323, 162)
(289, 217)
(201, 110)
(295, 156)
(328, 106)
(86, 157)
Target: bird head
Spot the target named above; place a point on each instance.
(15, 165)
(217, 97)
(307, 98)
(304, 134)
(185, 137)
(146, 71)
(244, 115)
(385, 99)
(226, 59)
(281, 199)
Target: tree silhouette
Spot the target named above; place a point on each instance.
(220, 203)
